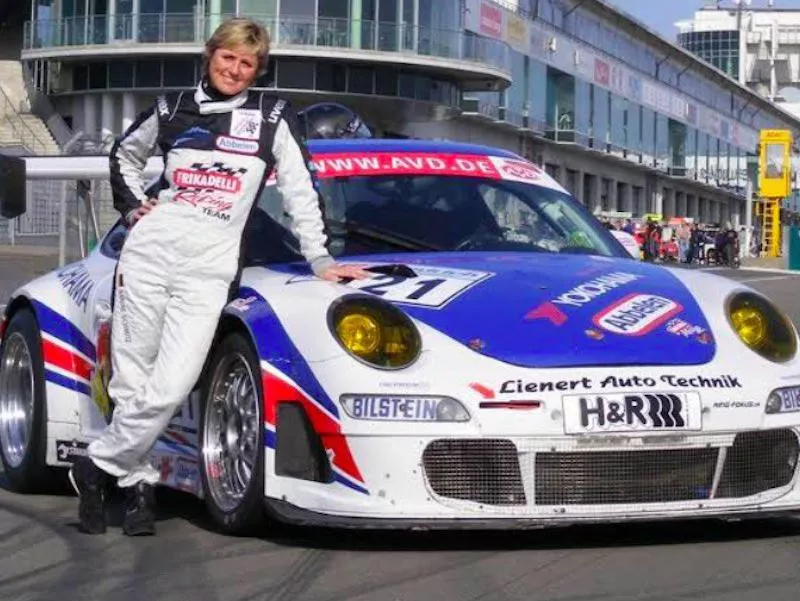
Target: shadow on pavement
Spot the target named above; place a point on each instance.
(175, 505)
(568, 537)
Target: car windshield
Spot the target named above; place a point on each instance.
(390, 213)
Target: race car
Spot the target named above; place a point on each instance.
(509, 365)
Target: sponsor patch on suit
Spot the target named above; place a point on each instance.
(238, 145)
(246, 123)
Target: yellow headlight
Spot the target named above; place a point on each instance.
(375, 331)
(750, 325)
(762, 327)
(360, 333)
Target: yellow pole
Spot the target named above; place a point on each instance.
(775, 246)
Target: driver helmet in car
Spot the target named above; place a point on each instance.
(330, 120)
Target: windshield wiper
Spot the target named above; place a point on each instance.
(370, 233)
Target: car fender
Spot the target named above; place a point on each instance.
(64, 302)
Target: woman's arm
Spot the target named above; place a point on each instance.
(300, 197)
(128, 159)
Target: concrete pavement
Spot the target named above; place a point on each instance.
(19, 264)
(766, 263)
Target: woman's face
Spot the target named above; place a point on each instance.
(231, 70)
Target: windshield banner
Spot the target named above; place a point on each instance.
(423, 163)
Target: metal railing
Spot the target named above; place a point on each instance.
(178, 28)
(42, 107)
(22, 132)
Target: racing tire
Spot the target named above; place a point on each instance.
(23, 408)
(231, 437)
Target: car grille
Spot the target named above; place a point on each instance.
(757, 462)
(624, 476)
(488, 471)
(483, 471)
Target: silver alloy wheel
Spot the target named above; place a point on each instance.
(231, 431)
(16, 398)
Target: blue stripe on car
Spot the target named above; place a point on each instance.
(342, 480)
(65, 382)
(274, 346)
(60, 327)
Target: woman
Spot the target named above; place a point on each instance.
(220, 144)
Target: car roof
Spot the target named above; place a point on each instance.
(421, 146)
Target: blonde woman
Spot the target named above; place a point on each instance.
(220, 143)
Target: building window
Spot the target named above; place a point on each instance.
(148, 74)
(80, 77)
(97, 76)
(267, 80)
(385, 81)
(600, 117)
(406, 85)
(255, 8)
(298, 8)
(691, 153)
(719, 48)
(560, 104)
(331, 77)
(388, 29)
(619, 122)
(360, 80)
(337, 9)
(572, 181)
(677, 146)
(589, 190)
(179, 72)
(648, 131)
(121, 75)
(296, 74)
(605, 191)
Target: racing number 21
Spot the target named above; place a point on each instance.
(430, 292)
(422, 288)
(425, 290)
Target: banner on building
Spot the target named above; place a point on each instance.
(552, 47)
(775, 163)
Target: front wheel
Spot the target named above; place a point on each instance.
(232, 435)
(23, 418)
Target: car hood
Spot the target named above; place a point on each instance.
(543, 310)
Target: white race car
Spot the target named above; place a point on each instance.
(509, 365)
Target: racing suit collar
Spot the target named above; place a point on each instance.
(207, 104)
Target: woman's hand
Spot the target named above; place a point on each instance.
(143, 210)
(335, 273)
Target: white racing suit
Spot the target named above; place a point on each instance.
(178, 262)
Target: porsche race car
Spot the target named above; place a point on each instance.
(508, 365)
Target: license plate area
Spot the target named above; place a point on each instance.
(642, 412)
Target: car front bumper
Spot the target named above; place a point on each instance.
(531, 482)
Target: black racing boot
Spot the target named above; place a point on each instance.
(140, 519)
(89, 481)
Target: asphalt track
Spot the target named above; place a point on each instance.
(43, 556)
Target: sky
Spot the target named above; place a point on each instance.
(662, 14)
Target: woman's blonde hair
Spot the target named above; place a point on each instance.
(239, 32)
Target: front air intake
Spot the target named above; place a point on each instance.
(481, 471)
(298, 449)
